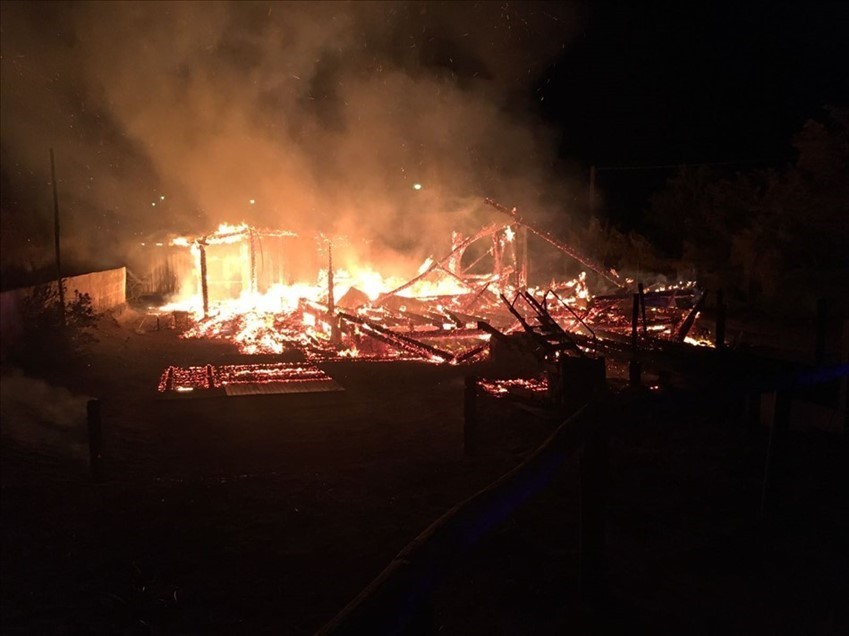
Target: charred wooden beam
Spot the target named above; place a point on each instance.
(522, 277)
(395, 339)
(252, 246)
(571, 311)
(538, 338)
(690, 319)
(457, 250)
(608, 275)
(204, 284)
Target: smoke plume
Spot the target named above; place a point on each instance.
(314, 117)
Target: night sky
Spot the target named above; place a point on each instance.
(326, 113)
(643, 88)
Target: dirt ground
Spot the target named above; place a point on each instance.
(269, 513)
(248, 514)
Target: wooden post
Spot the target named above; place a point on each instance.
(592, 189)
(204, 286)
(423, 621)
(634, 368)
(497, 254)
(335, 331)
(843, 394)
(775, 466)
(635, 318)
(720, 320)
(254, 282)
(59, 281)
(331, 300)
(523, 269)
(821, 328)
(470, 416)
(95, 440)
(593, 470)
(643, 307)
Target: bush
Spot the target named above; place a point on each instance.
(48, 338)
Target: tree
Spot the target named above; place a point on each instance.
(49, 338)
(759, 231)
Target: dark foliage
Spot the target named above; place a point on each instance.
(50, 339)
(764, 233)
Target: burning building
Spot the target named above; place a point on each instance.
(273, 291)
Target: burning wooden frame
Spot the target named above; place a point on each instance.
(447, 313)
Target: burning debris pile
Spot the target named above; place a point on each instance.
(246, 291)
(247, 379)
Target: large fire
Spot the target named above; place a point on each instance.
(243, 289)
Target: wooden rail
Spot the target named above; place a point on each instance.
(400, 595)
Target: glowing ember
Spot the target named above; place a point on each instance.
(208, 377)
(529, 387)
(242, 291)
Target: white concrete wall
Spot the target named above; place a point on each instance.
(107, 289)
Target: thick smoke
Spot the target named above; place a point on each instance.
(324, 114)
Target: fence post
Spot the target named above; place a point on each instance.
(634, 367)
(470, 416)
(593, 471)
(95, 440)
(423, 621)
(775, 466)
(821, 327)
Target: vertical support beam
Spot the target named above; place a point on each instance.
(470, 416)
(720, 320)
(592, 189)
(95, 440)
(523, 268)
(635, 319)
(210, 377)
(497, 265)
(59, 282)
(335, 332)
(331, 301)
(204, 285)
(252, 239)
(643, 307)
(634, 367)
(593, 469)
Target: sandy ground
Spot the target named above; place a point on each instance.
(267, 514)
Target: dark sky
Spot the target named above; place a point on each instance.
(325, 113)
(692, 83)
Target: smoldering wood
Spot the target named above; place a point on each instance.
(566, 249)
(204, 284)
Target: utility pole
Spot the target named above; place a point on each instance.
(592, 189)
(59, 282)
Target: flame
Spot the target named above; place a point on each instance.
(371, 314)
